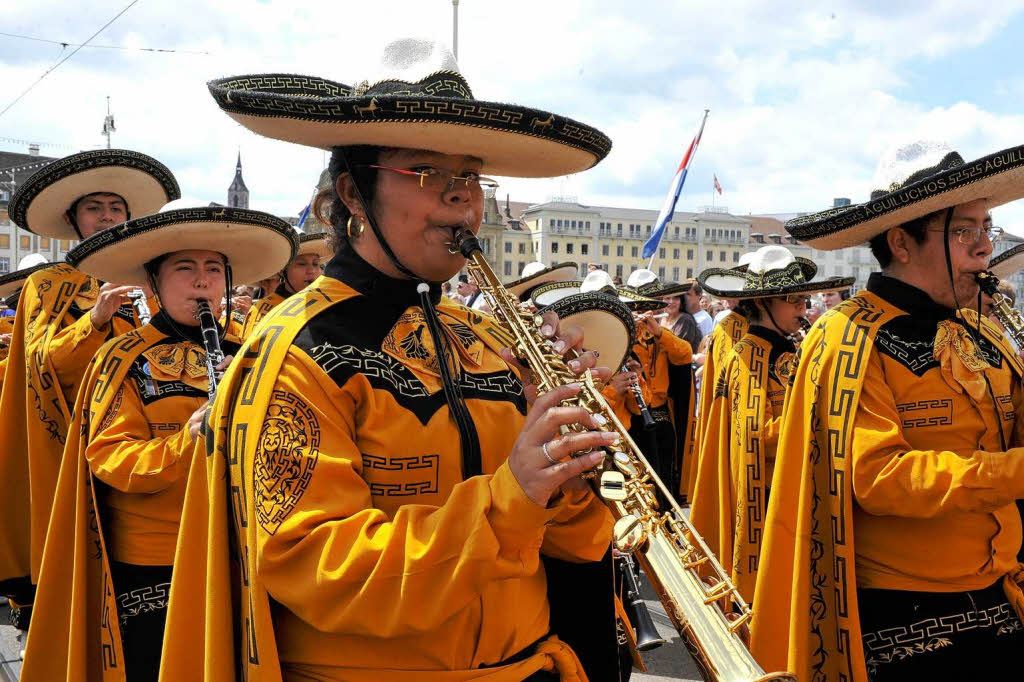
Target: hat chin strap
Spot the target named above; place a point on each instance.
(376, 230)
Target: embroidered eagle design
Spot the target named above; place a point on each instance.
(412, 345)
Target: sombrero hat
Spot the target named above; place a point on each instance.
(316, 243)
(645, 283)
(607, 324)
(915, 180)
(41, 202)
(772, 271)
(596, 281)
(536, 274)
(256, 244)
(1008, 262)
(425, 103)
(13, 281)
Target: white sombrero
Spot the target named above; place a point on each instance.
(646, 283)
(771, 271)
(1008, 262)
(914, 180)
(422, 102)
(595, 281)
(316, 243)
(40, 204)
(13, 281)
(536, 274)
(256, 244)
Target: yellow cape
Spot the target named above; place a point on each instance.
(724, 336)
(729, 498)
(219, 621)
(258, 311)
(806, 618)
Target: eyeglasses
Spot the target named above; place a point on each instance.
(794, 299)
(437, 180)
(969, 236)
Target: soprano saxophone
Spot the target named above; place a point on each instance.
(1007, 314)
(698, 596)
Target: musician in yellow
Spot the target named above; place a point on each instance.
(11, 285)
(395, 489)
(892, 537)
(100, 614)
(62, 320)
(314, 251)
(739, 445)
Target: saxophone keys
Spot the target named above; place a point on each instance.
(628, 534)
(612, 486)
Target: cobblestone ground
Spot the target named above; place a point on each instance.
(10, 647)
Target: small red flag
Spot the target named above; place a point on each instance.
(718, 187)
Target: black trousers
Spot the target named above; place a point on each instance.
(142, 593)
(937, 636)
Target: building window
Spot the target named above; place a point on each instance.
(508, 247)
(675, 254)
(675, 232)
(675, 274)
(618, 231)
(521, 266)
(5, 241)
(65, 244)
(24, 242)
(689, 273)
(5, 265)
(618, 270)
(634, 251)
(554, 247)
(648, 230)
(661, 253)
(735, 256)
(568, 247)
(604, 249)
(508, 268)
(710, 254)
(721, 256)
(689, 254)
(618, 251)
(661, 272)
(584, 249)
(522, 248)
(44, 242)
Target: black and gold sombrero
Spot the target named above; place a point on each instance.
(607, 324)
(772, 271)
(13, 281)
(256, 244)
(535, 274)
(41, 202)
(596, 281)
(1008, 262)
(915, 180)
(426, 105)
(316, 243)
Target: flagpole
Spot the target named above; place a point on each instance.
(700, 133)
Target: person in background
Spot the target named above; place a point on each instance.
(692, 300)
(833, 298)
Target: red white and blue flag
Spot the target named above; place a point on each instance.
(669, 207)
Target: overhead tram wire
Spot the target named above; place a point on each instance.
(107, 47)
(69, 56)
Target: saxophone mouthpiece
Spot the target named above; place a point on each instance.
(466, 242)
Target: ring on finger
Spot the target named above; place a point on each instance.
(544, 449)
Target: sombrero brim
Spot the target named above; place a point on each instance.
(318, 244)
(511, 140)
(726, 284)
(670, 290)
(41, 202)
(13, 281)
(547, 294)
(807, 266)
(256, 244)
(1008, 262)
(607, 324)
(997, 178)
(559, 272)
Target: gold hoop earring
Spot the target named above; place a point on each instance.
(360, 226)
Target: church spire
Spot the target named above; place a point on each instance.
(238, 193)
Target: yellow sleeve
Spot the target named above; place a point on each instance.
(124, 454)
(581, 530)
(340, 564)
(72, 348)
(890, 478)
(772, 427)
(679, 350)
(618, 404)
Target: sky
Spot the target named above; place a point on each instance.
(804, 97)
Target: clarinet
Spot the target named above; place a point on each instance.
(647, 636)
(138, 297)
(1007, 314)
(211, 342)
(638, 396)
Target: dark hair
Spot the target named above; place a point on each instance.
(695, 287)
(749, 309)
(464, 279)
(328, 206)
(916, 228)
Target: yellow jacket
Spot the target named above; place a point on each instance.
(369, 554)
(52, 343)
(258, 311)
(890, 473)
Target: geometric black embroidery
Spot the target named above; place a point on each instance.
(912, 343)
(286, 455)
(934, 412)
(142, 600)
(426, 466)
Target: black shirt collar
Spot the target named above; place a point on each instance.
(168, 327)
(777, 340)
(348, 267)
(907, 297)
